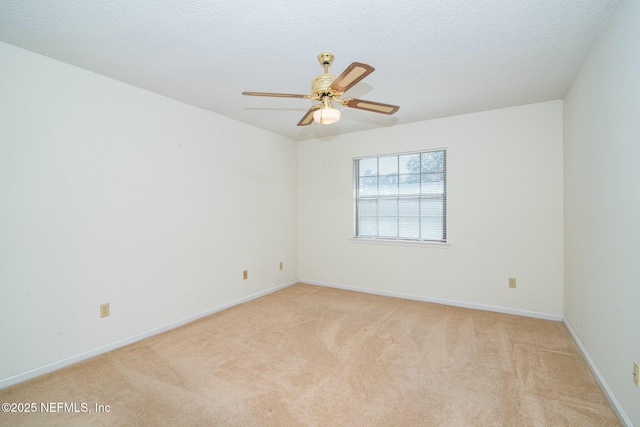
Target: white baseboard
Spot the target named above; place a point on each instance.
(24, 376)
(596, 373)
(547, 316)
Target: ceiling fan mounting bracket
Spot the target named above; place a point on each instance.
(326, 58)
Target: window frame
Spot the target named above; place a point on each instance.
(444, 242)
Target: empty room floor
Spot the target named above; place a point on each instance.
(316, 356)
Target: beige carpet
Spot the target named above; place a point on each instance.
(314, 356)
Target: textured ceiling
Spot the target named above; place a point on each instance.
(433, 58)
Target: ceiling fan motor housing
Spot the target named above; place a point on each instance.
(320, 86)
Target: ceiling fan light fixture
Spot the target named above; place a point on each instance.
(326, 116)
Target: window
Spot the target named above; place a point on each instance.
(402, 196)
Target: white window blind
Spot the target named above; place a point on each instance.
(402, 196)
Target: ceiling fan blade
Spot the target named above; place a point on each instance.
(277, 95)
(376, 107)
(308, 116)
(352, 75)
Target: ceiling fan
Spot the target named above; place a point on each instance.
(327, 88)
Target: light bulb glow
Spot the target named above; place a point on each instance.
(326, 116)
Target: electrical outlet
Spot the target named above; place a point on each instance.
(104, 309)
(281, 265)
(245, 275)
(636, 373)
(512, 282)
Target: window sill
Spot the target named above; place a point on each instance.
(395, 242)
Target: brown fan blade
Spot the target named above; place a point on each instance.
(376, 107)
(308, 116)
(352, 75)
(277, 95)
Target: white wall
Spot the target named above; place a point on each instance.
(112, 194)
(505, 211)
(602, 206)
